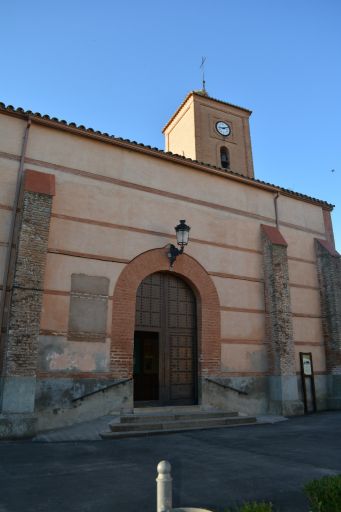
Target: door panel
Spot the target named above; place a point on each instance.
(181, 367)
(148, 303)
(181, 304)
(166, 305)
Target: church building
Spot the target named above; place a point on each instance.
(133, 277)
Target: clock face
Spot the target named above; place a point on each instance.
(223, 128)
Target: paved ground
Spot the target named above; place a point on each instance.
(212, 469)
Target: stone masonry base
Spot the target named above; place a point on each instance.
(334, 392)
(17, 426)
(56, 405)
(280, 388)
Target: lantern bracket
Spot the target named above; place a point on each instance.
(182, 237)
(172, 254)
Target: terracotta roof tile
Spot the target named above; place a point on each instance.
(328, 246)
(37, 115)
(274, 235)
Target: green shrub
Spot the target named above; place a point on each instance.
(253, 507)
(324, 494)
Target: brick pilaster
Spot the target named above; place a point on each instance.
(21, 340)
(279, 326)
(329, 275)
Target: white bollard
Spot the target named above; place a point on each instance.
(164, 487)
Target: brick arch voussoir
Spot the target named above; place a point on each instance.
(123, 316)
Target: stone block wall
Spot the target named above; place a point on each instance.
(329, 274)
(279, 327)
(21, 339)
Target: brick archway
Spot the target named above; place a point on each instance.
(123, 318)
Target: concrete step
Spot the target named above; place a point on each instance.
(168, 409)
(182, 423)
(175, 428)
(195, 415)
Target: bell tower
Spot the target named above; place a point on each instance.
(213, 132)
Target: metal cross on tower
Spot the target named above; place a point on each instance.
(202, 67)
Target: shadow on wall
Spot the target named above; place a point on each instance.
(115, 398)
(246, 395)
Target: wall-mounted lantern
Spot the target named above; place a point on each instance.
(182, 236)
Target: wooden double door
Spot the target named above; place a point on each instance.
(165, 346)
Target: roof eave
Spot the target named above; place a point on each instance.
(155, 152)
(194, 93)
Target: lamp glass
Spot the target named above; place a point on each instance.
(182, 233)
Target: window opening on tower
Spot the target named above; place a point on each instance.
(224, 158)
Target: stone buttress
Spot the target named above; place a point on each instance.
(329, 275)
(283, 387)
(20, 344)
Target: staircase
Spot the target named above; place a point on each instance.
(163, 420)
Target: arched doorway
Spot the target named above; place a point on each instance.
(165, 342)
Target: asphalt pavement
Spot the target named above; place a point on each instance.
(211, 469)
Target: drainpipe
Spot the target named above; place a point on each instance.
(276, 209)
(13, 225)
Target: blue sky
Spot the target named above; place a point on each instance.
(124, 68)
